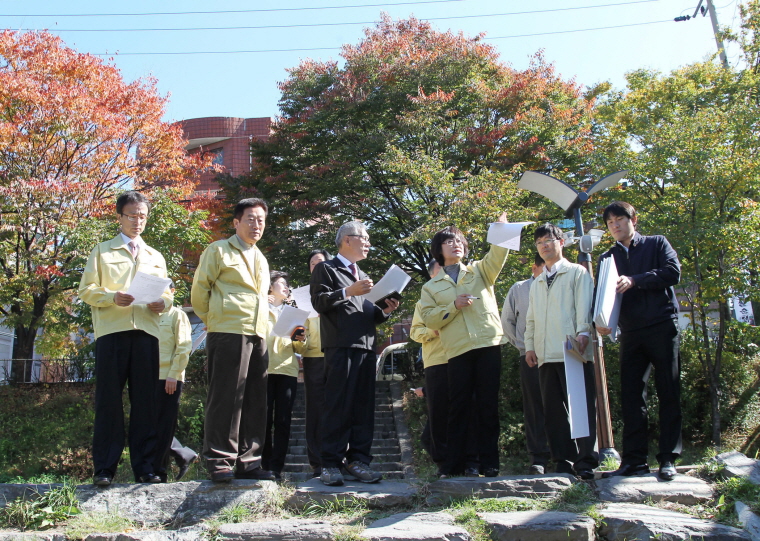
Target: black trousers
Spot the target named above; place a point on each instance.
(348, 418)
(236, 403)
(314, 396)
(655, 346)
(568, 453)
(475, 372)
(434, 434)
(281, 395)
(127, 356)
(167, 409)
(533, 413)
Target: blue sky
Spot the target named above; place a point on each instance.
(244, 84)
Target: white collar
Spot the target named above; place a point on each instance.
(557, 266)
(346, 262)
(137, 240)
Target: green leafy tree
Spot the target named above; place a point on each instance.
(690, 142)
(417, 130)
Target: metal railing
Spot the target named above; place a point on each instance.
(75, 370)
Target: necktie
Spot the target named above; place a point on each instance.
(352, 268)
(133, 248)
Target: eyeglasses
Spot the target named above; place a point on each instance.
(364, 238)
(136, 217)
(454, 241)
(545, 242)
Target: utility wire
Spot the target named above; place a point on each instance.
(219, 12)
(312, 25)
(338, 48)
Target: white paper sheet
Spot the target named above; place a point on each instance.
(576, 396)
(289, 319)
(394, 280)
(506, 235)
(607, 307)
(302, 296)
(146, 288)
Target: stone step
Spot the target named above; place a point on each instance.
(300, 434)
(377, 443)
(304, 459)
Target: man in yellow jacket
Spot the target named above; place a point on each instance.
(560, 306)
(175, 347)
(229, 294)
(126, 346)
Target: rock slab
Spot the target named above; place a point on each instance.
(750, 521)
(624, 522)
(683, 489)
(536, 486)
(416, 527)
(32, 536)
(735, 464)
(539, 526)
(278, 530)
(375, 495)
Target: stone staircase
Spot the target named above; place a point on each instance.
(385, 447)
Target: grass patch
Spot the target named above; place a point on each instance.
(88, 523)
(468, 519)
(41, 510)
(342, 507)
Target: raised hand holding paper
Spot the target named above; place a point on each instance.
(506, 235)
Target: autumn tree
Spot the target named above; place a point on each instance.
(690, 140)
(416, 130)
(72, 134)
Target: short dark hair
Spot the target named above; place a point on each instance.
(128, 198)
(450, 232)
(547, 229)
(619, 208)
(538, 260)
(318, 251)
(251, 202)
(276, 275)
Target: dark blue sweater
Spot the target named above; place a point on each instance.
(653, 265)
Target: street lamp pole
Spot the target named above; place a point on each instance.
(571, 200)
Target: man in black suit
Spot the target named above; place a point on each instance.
(347, 325)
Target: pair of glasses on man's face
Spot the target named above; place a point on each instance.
(136, 217)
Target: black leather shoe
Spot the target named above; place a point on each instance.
(585, 473)
(258, 474)
(471, 472)
(626, 470)
(222, 476)
(667, 471)
(184, 465)
(149, 478)
(102, 479)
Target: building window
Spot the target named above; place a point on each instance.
(218, 155)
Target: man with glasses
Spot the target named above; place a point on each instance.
(648, 267)
(127, 344)
(559, 306)
(229, 294)
(347, 326)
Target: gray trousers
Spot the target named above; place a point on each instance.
(533, 412)
(236, 404)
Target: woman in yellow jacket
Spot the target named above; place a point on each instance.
(461, 305)
(282, 380)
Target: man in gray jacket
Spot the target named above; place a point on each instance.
(513, 321)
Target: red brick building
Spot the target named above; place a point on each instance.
(228, 139)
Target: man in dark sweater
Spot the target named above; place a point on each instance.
(649, 336)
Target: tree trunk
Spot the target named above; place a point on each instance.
(23, 350)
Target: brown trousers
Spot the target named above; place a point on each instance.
(236, 404)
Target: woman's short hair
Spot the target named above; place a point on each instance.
(318, 251)
(276, 275)
(436, 246)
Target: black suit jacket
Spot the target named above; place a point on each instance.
(344, 323)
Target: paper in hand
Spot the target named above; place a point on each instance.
(302, 296)
(146, 288)
(608, 300)
(573, 348)
(576, 396)
(506, 235)
(394, 281)
(289, 319)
